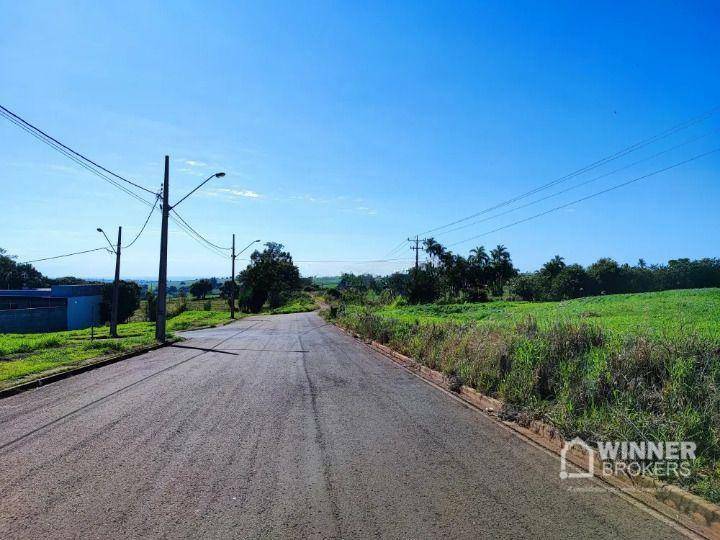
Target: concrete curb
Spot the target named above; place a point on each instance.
(42, 381)
(696, 514)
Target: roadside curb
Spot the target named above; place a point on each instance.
(676, 504)
(42, 381)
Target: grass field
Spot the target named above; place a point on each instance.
(630, 367)
(666, 313)
(24, 355)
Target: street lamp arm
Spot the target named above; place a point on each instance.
(243, 249)
(216, 175)
(106, 238)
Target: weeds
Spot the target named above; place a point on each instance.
(581, 378)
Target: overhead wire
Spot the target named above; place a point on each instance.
(77, 160)
(78, 154)
(582, 199)
(586, 182)
(67, 255)
(621, 153)
(147, 219)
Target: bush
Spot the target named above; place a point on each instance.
(128, 300)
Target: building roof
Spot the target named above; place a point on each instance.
(56, 291)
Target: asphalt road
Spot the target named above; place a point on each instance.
(280, 427)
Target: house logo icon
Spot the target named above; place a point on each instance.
(577, 442)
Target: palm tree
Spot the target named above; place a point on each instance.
(554, 266)
(434, 249)
(479, 256)
(502, 267)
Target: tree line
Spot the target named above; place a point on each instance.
(483, 274)
(270, 278)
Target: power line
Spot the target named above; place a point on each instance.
(197, 237)
(76, 160)
(612, 157)
(582, 199)
(397, 248)
(581, 184)
(67, 255)
(157, 198)
(197, 233)
(78, 154)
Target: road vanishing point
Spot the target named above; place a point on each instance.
(281, 427)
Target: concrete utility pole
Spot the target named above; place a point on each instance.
(417, 249)
(232, 279)
(116, 287)
(162, 274)
(417, 252)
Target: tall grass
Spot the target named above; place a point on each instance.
(584, 380)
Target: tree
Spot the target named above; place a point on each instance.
(14, 275)
(68, 280)
(571, 282)
(227, 288)
(200, 288)
(128, 300)
(434, 249)
(150, 306)
(502, 268)
(270, 274)
(553, 267)
(479, 273)
(530, 287)
(479, 256)
(607, 276)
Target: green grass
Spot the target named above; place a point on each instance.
(299, 304)
(669, 313)
(622, 367)
(25, 355)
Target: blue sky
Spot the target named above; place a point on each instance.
(344, 127)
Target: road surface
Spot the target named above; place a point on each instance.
(274, 427)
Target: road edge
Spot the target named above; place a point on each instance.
(682, 507)
(48, 379)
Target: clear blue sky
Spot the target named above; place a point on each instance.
(346, 126)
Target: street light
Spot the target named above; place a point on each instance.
(162, 271)
(116, 282)
(106, 238)
(250, 244)
(216, 175)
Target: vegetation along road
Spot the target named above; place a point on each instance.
(280, 426)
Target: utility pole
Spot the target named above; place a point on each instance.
(116, 287)
(417, 249)
(162, 274)
(232, 279)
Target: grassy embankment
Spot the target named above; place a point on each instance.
(299, 303)
(25, 355)
(619, 367)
